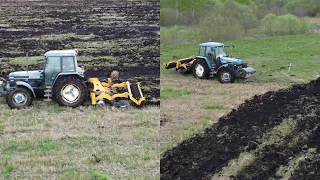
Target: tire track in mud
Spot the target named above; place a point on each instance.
(202, 156)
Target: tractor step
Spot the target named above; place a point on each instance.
(212, 72)
(47, 94)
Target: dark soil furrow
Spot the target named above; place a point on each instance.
(309, 169)
(202, 156)
(271, 157)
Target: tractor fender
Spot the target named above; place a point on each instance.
(205, 59)
(66, 75)
(26, 85)
(226, 66)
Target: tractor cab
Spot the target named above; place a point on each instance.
(56, 63)
(60, 61)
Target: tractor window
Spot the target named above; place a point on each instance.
(209, 51)
(53, 67)
(220, 51)
(53, 64)
(68, 64)
(202, 51)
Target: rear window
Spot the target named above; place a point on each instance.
(68, 64)
(202, 51)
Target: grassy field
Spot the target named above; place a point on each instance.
(200, 103)
(52, 142)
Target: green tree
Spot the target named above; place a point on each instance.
(190, 6)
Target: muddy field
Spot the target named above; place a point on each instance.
(274, 136)
(110, 35)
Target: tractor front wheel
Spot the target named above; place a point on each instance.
(19, 98)
(70, 92)
(200, 69)
(226, 76)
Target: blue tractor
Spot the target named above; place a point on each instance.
(63, 81)
(212, 61)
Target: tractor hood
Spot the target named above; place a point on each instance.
(25, 75)
(231, 60)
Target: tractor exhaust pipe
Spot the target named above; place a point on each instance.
(232, 46)
(27, 61)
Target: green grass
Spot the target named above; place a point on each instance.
(43, 146)
(48, 141)
(98, 176)
(7, 168)
(166, 93)
(270, 56)
(213, 106)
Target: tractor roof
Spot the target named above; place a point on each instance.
(211, 44)
(61, 53)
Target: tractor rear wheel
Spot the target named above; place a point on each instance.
(19, 98)
(226, 76)
(200, 69)
(70, 92)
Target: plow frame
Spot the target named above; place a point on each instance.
(98, 87)
(184, 64)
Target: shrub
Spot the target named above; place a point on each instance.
(221, 28)
(243, 13)
(283, 25)
(268, 24)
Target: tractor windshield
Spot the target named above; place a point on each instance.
(220, 51)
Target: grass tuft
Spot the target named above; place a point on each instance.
(98, 176)
(170, 92)
(213, 106)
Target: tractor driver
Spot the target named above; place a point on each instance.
(114, 76)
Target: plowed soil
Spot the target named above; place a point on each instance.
(110, 35)
(204, 156)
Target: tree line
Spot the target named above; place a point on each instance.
(186, 12)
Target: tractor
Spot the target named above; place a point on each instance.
(63, 81)
(212, 61)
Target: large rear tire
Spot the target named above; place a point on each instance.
(70, 92)
(226, 76)
(200, 69)
(19, 98)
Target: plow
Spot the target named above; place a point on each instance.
(63, 81)
(212, 61)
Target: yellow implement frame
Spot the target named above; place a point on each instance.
(101, 90)
(180, 64)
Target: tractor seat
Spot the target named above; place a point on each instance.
(216, 61)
